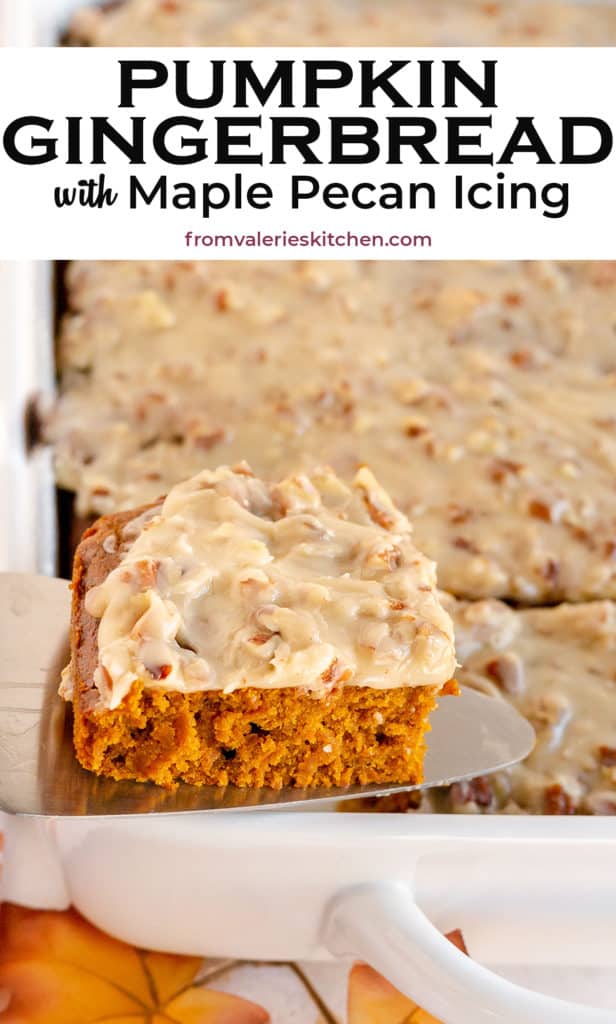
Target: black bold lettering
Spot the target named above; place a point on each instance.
(157, 76)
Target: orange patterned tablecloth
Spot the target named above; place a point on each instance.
(56, 968)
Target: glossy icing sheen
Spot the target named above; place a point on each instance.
(236, 583)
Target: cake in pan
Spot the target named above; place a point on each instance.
(344, 23)
(557, 666)
(482, 395)
(255, 634)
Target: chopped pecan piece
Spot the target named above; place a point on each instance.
(551, 570)
(473, 791)
(607, 756)
(458, 514)
(579, 534)
(222, 298)
(415, 426)
(501, 469)
(540, 510)
(522, 358)
(395, 803)
(260, 638)
(556, 800)
(333, 674)
(209, 441)
(143, 573)
(378, 514)
(507, 672)
(464, 544)
(161, 672)
(412, 428)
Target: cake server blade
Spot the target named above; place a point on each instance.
(39, 774)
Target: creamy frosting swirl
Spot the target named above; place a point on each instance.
(233, 583)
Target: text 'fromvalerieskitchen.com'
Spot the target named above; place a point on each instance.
(400, 153)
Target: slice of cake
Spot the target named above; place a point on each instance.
(256, 634)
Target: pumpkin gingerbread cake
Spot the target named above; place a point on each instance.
(256, 634)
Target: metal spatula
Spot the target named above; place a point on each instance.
(39, 774)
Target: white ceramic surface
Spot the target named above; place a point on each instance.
(27, 520)
(276, 886)
(538, 891)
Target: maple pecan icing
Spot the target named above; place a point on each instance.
(233, 583)
(344, 23)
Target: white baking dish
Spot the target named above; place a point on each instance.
(538, 891)
(27, 518)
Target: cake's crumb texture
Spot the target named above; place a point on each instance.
(272, 738)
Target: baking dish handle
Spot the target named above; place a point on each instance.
(382, 924)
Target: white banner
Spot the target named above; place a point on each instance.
(295, 153)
